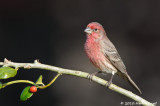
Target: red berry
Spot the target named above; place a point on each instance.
(33, 89)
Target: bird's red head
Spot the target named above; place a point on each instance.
(94, 29)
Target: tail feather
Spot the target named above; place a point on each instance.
(131, 82)
(127, 78)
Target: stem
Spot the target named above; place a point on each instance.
(81, 74)
(53, 80)
(30, 82)
(18, 81)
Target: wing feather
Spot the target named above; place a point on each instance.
(112, 54)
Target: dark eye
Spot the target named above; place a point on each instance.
(96, 30)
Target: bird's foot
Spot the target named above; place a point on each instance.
(110, 81)
(90, 76)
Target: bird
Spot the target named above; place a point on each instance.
(103, 54)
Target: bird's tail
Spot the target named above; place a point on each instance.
(130, 81)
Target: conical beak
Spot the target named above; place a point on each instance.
(88, 30)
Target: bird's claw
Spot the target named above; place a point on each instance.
(108, 84)
(90, 76)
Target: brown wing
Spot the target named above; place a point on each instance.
(112, 54)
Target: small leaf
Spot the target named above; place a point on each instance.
(7, 72)
(26, 94)
(0, 85)
(39, 80)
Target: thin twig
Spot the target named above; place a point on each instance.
(18, 81)
(81, 74)
(53, 80)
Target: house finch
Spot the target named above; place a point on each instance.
(103, 54)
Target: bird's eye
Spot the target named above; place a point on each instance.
(96, 30)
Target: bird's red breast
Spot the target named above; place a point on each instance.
(94, 52)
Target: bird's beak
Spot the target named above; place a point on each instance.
(88, 30)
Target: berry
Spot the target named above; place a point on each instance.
(33, 89)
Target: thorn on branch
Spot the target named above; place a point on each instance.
(6, 61)
(36, 61)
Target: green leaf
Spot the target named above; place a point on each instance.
(39, 80)
(26, 94)
(7, 72)
(0, 85)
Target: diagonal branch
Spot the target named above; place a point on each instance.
(81, 74)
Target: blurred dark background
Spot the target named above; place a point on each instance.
(53, 32)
